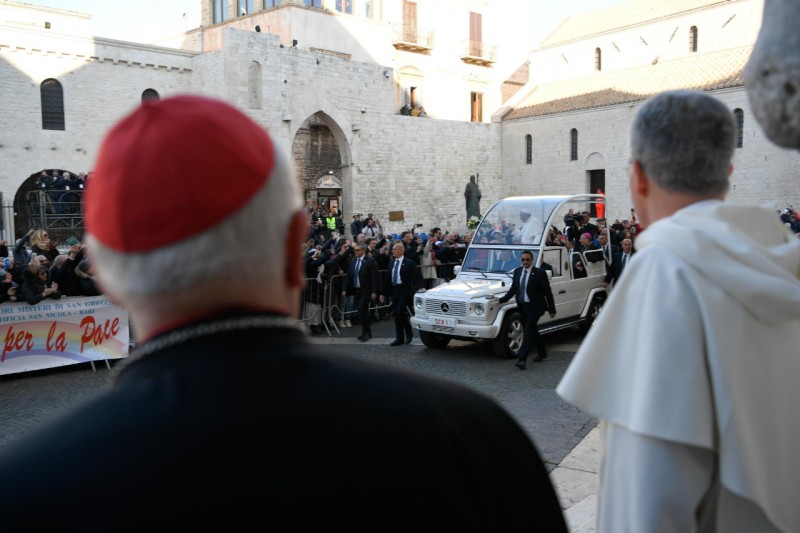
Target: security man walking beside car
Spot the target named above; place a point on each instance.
(402, 282)
(531, 287)
(362, 282)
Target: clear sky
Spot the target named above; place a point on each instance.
(128, 20)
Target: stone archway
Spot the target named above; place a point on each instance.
(320, 148)
(59, 212)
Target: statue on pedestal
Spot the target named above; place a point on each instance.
(472, 195)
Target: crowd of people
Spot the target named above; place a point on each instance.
(36, 269)
(328, 254)
(413, 110)
(791, 217)
(61, 190)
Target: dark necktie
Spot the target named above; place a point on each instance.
(524, 285)
(622, 264)
(358, 267)
(396, 272)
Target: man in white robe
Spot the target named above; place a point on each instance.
(530, 232)
(698, 395)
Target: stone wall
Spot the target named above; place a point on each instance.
(389, 162)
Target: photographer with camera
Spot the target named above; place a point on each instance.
(412, 245)
(372, 227)
(573, 228)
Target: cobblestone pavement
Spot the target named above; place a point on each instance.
(30, 399)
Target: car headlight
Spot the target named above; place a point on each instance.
(418, 303)
(479, 309)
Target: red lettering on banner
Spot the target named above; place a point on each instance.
(61, 340)
(12, 342)
(97, 334)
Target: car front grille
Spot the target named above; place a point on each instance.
(445, 308)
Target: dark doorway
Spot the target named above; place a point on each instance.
(597, 185)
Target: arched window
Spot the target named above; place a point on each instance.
(573, 140)
(52, 105)
(598, 59)
(739, 115)
(149, 95)
(528, 149)
(693, 39)
(254, 85)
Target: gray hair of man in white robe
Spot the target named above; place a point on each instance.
(685, 140)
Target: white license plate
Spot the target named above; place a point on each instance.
(444, 322)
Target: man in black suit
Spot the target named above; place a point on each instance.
(587, 226)
(362, 282)
(609, 249)
(504, 262)
(402, 282)
(532, 290)
(619, 263)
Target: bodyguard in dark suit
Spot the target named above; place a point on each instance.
(401, 283)
(533, 295)
(362, 282)
(609, 249)
(619, 263)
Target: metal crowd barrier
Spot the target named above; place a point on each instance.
(323, 305)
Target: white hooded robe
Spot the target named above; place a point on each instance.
(694, 367)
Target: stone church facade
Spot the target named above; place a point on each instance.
(568, 129)
(327, 79)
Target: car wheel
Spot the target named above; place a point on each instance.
(591, 315)
(508, 343)
(433, 340)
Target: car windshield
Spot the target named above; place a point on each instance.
(493, 259)
(516, 221)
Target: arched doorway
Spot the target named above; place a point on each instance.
(317, 150)
(46, 201)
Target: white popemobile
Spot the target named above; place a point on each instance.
(462, 309)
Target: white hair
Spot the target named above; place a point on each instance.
(249, 244)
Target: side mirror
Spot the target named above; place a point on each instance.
(456, 269)
(549, 274)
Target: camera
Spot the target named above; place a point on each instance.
(369, 215)
(417, 225)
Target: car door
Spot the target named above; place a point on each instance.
(554, 261)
